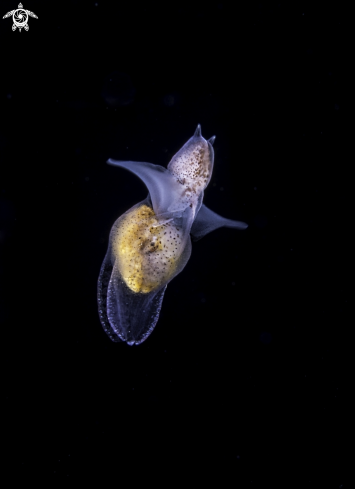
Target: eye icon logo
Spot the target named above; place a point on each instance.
(20, 17)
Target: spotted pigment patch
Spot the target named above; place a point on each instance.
(147, 252)
(191, 168)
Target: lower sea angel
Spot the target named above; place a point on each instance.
(150, 243)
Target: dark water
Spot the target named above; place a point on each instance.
(246, 374)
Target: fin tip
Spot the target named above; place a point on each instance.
(198, 131)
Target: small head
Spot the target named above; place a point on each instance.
(192, 166)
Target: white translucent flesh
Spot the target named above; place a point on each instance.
(102, 291)
(132, 316)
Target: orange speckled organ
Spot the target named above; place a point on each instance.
(147, 252)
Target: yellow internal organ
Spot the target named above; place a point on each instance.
(147, 252)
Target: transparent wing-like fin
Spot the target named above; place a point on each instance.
(207, 221)
(165, 191)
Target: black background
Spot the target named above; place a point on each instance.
(245, 375)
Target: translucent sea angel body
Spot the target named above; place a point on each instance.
(150, 243)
